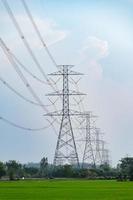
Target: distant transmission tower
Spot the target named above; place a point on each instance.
(66, 151)
(105, 154)
(98, 147)
(88, 156)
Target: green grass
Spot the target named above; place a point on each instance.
(66, 190)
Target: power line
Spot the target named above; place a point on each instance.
(18, 61)
(20, 95)
(11, 15)
(22, 77)
(28, 71)
(40, 36)
(52, 103)
(24, 80)
(22, 127)
(30, 52)
(20, 74)
(38, 32)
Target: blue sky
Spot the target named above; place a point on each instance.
(96, 36)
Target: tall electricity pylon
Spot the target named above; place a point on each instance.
(105, 154)
(66, 151)
(88, 156)
(98, 147)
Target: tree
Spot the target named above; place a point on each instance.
(84, 173)
(30, 171)
(126, 168)
(13, 169)
(2, 169)
(44, 167)
(68, 171)
(105, 170)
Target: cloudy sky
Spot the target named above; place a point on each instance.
(96, 36)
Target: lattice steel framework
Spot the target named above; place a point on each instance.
(88, 156)
(66, 151)
(105, 154)
(98, 147)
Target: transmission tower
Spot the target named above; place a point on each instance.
(66, 151)
(98, 147)
(88, 156)
(105, 154)
(107, 157)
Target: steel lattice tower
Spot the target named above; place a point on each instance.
(105, 154)
(66, 151)
(98, 147)
(88, 156)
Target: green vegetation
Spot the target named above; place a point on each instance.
(13, 170)
(125, 169)
(66, 190)
(2, 169)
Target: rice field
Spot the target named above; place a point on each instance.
(66, 190)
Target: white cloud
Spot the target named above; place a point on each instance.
(93, 50)
(47, 27)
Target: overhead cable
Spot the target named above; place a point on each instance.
(22, 77)
(22, 127)
(38, 32)
(11, 15)
(21, 95)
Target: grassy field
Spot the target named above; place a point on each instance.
(66, 189)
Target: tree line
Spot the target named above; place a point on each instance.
(14, 170)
